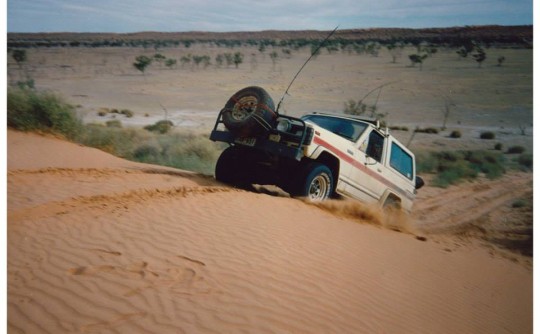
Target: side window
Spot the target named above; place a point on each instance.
(401, 161)
(375, 145)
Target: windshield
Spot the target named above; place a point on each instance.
(345, 128)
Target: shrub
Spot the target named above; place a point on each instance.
(455, 134)
(489, 163)
(147, 153)
(487, 135)
(29, 110)
(427, 130)
(518, 203)
(525, 160)
(160, 127)
(113, 124)
(114, 140)
(516, 150)
(128, 113)
(498, 146)
(399, 128)
(452, 166)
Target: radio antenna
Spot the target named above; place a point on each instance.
(301, 68)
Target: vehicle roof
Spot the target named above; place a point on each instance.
(374, 122)
(370, 120)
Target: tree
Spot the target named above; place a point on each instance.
(170, 63)
(353, 107)
(395, 50)
(185, 60)
(238, 58)
(159, 58)
(229, 59)
(315, 50)
(462, 53)
(417, 59)
(274, 58)
(479, 56)
(19, 56)
(219, 60)
(141, 63)
(448, 104)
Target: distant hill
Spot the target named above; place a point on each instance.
(494, 34)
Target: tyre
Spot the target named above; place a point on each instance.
(231, 168)
(315, 183)
(250, 112)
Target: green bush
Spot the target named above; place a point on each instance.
(455, 134)
(525, 160)
(128, 113)
(113, 123)
(147, 153)
(116, 141)
(498, 146)
(487, 135)
(28, 110)
(516, 150)
(452, 166)
(399, 128)
(427, 130)
(162, 127)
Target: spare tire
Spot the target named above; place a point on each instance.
(250, 112)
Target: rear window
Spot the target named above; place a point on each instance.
(347, 129)
(401, 161)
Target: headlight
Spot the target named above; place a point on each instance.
(284, 125)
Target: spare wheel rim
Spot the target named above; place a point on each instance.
(244, 107)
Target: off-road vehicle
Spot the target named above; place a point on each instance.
(317, 156)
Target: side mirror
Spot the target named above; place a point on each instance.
(419, 182)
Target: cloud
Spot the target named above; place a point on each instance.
(242, 15)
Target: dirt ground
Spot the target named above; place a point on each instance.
(490, 98)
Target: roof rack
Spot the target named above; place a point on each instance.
(371, 120)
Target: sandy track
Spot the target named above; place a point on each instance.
(120, 247)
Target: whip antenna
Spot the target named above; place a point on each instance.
(301, 68)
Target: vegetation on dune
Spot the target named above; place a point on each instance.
(29, 110)
(451, 167)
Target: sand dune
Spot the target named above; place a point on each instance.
(97, 244)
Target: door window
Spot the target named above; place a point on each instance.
(375, 146)
(401, 161)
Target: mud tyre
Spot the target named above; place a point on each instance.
(231, 169)
(249, 113)
(315, 183)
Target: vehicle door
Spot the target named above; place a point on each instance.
(401, 167)
(368, 180)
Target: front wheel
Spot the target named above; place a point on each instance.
(316, 183)
(232, 167)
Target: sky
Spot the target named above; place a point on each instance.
(123, 16)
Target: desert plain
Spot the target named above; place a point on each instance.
(98, 244)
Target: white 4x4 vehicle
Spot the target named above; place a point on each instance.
(317, 156)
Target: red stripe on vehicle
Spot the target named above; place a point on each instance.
(344, 156)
